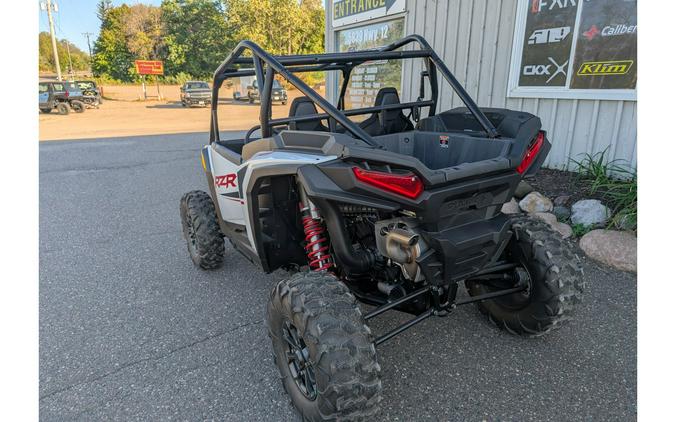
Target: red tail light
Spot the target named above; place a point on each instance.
(67, 94)
(531, 153)
(408, 185)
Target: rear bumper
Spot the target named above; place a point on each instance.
(460, 252)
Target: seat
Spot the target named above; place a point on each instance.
(386, 121)
(252, 148)
(303, 106)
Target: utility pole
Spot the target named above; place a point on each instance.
(51, 31)
(70, 62)
(91, 58)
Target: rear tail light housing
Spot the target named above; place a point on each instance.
(531, 153)
(67, 94)
(408, 184)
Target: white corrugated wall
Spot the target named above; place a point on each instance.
(474, 38)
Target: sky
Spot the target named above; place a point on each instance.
(78, 16)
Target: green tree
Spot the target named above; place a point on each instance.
(198, 38)
(143, 32)
(279, 26)
(112, 57)
(78, 58)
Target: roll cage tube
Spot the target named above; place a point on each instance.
(265, 66)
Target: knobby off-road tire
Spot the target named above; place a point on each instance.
(336, 343)
(556, 282)
(201, 231)
(63, 108)
(77, 106)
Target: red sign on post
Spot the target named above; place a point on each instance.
(149, 67)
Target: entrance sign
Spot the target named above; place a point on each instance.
(346, 12)
(149, 67)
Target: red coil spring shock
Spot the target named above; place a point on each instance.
(317, 241)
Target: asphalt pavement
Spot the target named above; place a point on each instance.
(131, 330)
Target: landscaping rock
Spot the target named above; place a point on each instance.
(561, 200)
(535, 202)
(511, 207)
(614, 248)
(564, 229)
(546, 217)
(590, 212)
(561, 212)
(523, 189)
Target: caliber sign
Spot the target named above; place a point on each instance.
(149, 67)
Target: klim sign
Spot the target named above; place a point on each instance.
(346, 12)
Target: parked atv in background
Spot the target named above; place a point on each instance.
(397, 211)
(195, 93)
(91, 93)
(62, 96)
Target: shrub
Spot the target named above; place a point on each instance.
(615, 181)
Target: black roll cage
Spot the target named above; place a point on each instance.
(265, 66)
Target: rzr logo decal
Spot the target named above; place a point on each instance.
(227, 181)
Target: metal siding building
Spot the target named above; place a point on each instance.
(475, 39)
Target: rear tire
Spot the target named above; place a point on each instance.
(323, 349)
(201, 231)
(77, 106)
(63, 108)
(555, 287)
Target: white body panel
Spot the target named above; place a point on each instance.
(232, 207)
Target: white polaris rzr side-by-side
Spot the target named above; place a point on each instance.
(397, 211)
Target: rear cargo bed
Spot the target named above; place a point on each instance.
(451, 153)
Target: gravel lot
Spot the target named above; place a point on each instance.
(131, 330)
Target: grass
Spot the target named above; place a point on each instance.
(615, 182)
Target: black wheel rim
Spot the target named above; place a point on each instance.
(298, 361)
(519, 276)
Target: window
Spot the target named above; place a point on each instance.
(575, 49)
(44, 88)
(367, 78)
(197, 85)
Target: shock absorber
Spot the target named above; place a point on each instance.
(317, 246)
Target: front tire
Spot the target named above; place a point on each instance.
(201, 231)
(63, 108)
(323, 349)
(555, 282)
(46, 110)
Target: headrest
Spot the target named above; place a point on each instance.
(387, 96)
(302, 106)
